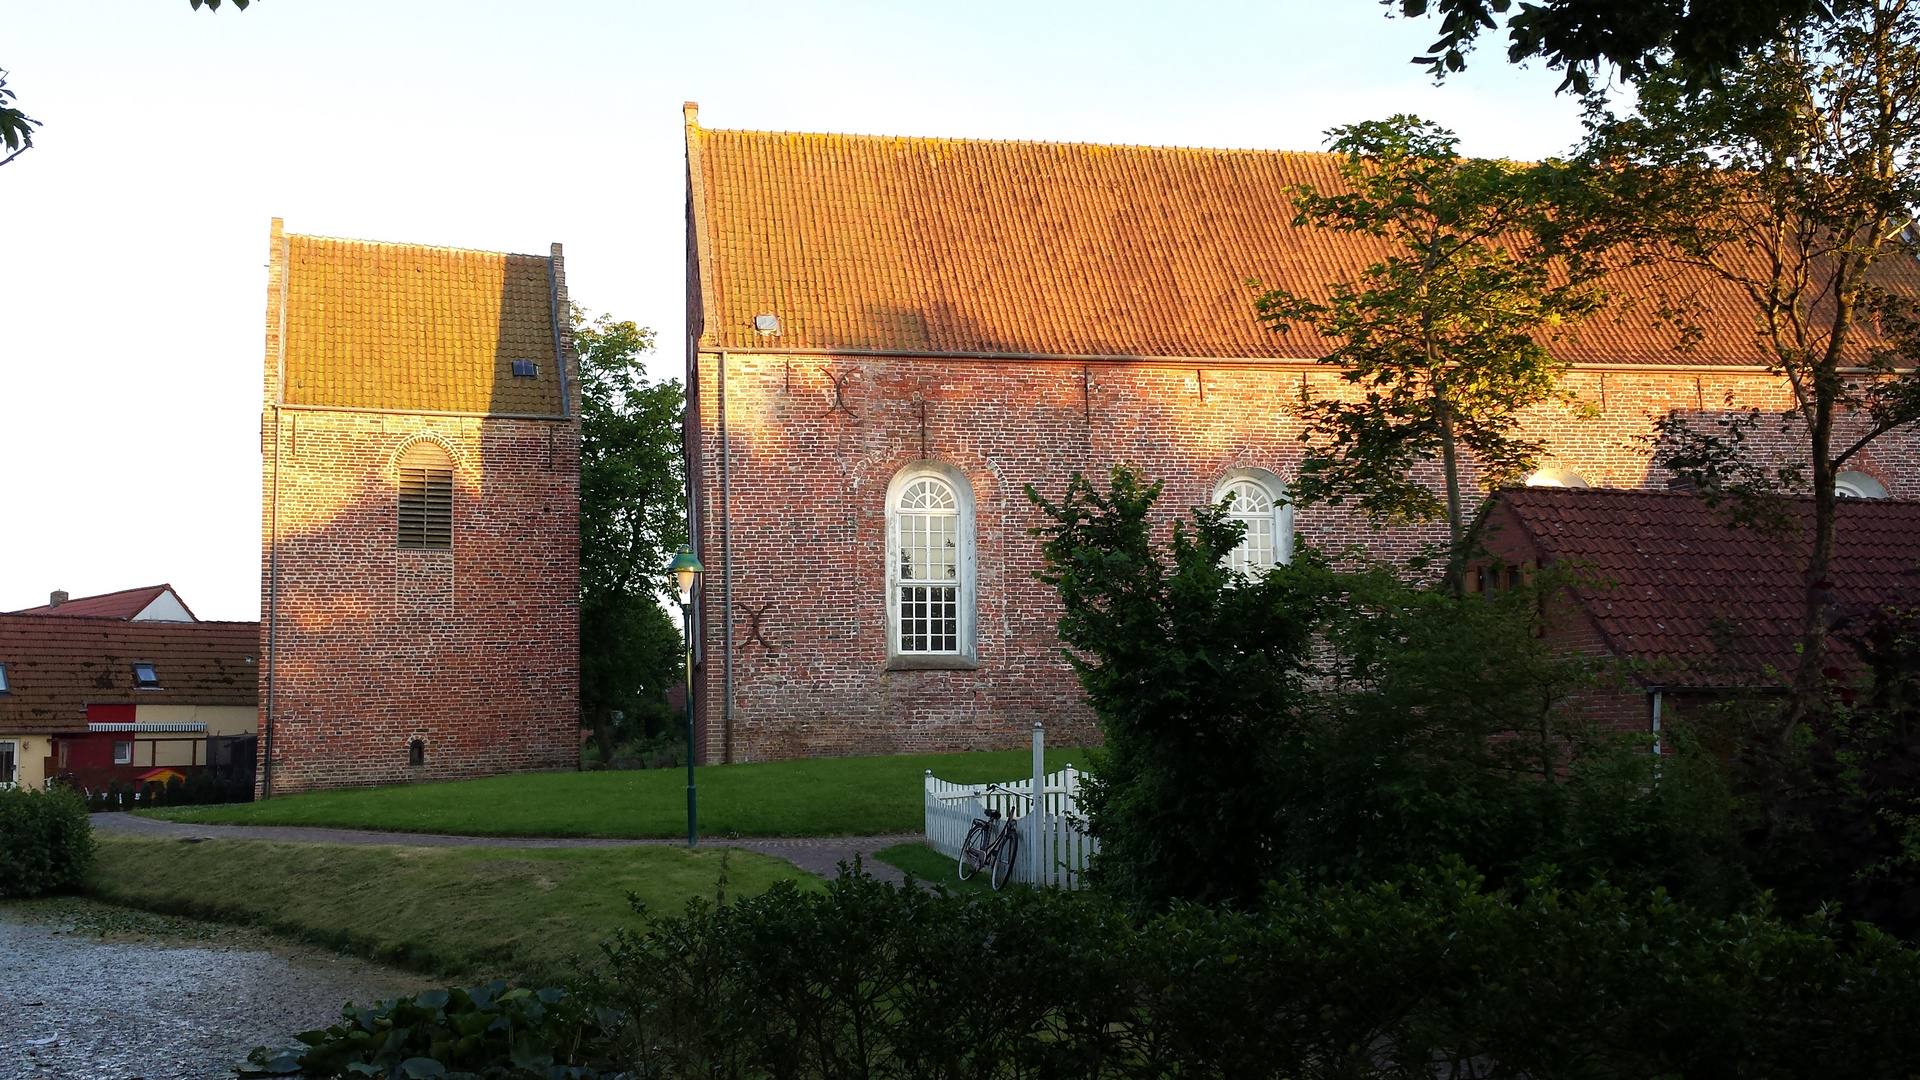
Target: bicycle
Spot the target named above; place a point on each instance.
(991, 849)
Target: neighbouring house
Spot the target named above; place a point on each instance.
(888, 339)
(100, 699)
(1698, 610)
(154, 603)
(419, 503)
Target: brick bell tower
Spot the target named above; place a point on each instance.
(419, 501)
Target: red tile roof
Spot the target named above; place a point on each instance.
(404, 326)
(1679, 575)
(124, 604)
(864, 243)
(55, 667)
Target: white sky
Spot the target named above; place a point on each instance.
(133, 237)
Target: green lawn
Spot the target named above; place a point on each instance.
(922, 863)
(864, 796)
(466, 913)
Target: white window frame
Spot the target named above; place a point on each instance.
(11, 748)
(964, 656)
(1282, 508)
(117, 744)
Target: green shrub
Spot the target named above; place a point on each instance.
(46, 841)
(488, 1030)
(1434, 976)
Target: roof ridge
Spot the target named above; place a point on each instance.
(1068, 143)
(412, 246)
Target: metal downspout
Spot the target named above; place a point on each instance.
(726, 573)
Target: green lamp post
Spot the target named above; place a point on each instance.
(686, 570)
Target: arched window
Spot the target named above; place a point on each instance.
(930, 566)
(417, 752)
(1560, 478)
(426, 498)
(1255, 498)
(1858, 485)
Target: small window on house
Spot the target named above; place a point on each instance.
(426, 498)
(145, 678)
(1858, 485)
(3, 680)
(417, 752)
(1255, 499)
(9, 762)
(526, 369)
(123, 752)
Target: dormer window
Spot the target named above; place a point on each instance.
(145, 678)
(3, 680)
(526, 369)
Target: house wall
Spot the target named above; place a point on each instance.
(474, 650)
(813, 441)
(29, 756)
(220, 719)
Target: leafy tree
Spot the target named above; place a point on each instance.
(1793, 180)
(1194, 674)
(1347, 726)
(1443, 335)
(1700, 38)
(632, 515)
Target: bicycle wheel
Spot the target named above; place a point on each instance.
(972, 850)
(1004, 855)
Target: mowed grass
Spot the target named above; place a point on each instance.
(921, 863)
(467, 913)
(862, 796)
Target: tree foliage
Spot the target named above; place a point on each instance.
(1698, 38)
(1444, 335)
(1792, 180)
(632, 516)
(1343, 725)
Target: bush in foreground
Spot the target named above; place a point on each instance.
(1433, 976)
(46, 841)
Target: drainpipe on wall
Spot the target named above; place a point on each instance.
(726, 574)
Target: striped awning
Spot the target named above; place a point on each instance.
(145, 729)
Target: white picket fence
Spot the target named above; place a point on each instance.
(1065, 845)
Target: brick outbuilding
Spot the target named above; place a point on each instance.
(420, 490)
(887, 338)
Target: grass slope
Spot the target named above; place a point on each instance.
(466, 913)
(923, 864)
(863, 796)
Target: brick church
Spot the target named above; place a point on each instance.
(888, 337)
(419, 501)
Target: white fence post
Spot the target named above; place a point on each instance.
(1037, 830)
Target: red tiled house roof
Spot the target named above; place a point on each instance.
(56, 667)
(918, 245)
(1671, 577)
(124, 604)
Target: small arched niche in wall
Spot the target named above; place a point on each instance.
(1258, 500)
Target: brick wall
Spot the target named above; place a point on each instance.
(814, 441)
(473, 651)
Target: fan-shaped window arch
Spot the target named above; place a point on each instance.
(425, 481)
(1258, 500)
(1556, 477)
(930, 567)
(1858, 485)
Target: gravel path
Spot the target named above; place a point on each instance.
(821, 855)
(88, 992)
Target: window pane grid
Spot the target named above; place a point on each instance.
(1250, 505)
(928, 536)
